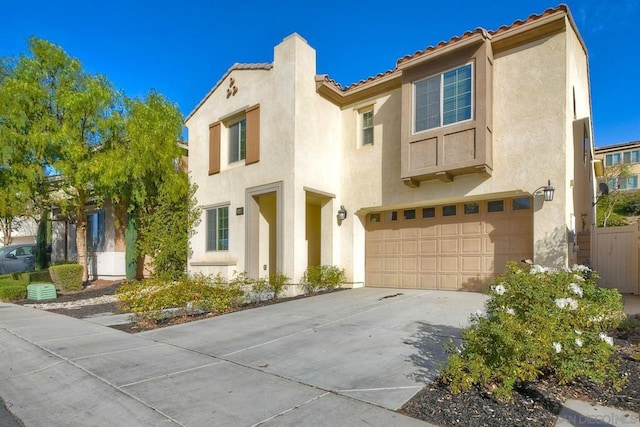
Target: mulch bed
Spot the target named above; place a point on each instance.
(533, 405)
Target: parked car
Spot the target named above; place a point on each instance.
(17, 258)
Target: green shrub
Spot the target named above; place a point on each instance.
(6, 276)
(40, 276)
(64, 262)
(261, 290)
(12, 282)
(148, 298)
(278, 281)
(67, 277)
(321, 277)
(538, 321)
(12, 292)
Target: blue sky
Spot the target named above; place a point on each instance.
(181, 48)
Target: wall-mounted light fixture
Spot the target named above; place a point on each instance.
(548, 191)
(342, 213)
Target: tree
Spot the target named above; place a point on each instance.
(100, 145)
(168, 227)
(611, 196)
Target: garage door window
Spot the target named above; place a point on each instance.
(471, 208)
(521, 204)
(495, 206)
(449, 210)
(428, 212)
(410, 214)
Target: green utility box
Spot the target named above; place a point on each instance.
(41, 291)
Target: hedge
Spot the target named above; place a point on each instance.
(12, 289)
(67, 277)
(13, 292)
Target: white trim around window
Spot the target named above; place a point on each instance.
(217, 228)
(445, 99)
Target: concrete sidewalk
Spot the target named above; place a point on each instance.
(346, 358)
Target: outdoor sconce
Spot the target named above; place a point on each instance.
(342, 213)
(548, 191)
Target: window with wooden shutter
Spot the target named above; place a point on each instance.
(253, 134)
(214, 148)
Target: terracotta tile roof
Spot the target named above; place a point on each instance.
(452, 40)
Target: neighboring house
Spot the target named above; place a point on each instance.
(616, 156)
(24, 230)
(428, 175)
(106, 247)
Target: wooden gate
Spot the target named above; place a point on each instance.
(615, 257)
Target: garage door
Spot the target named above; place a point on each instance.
(451, 247)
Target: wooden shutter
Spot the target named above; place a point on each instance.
(214, 148)
(253, 135)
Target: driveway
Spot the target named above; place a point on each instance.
(346, 358)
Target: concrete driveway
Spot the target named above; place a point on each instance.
(346, 358)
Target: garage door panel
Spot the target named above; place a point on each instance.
(390, 280)
(429, 247)
(429, 281)
(391, 264)
(471, 264)
(374, 248)
(449, 282)
(456, 252)
(409, 264)
(448, 264)
(391, 234)
(429, 264)
(409, 281)
(409, 247)
(429, 230)
(391, 247)
(471, 245)
(449, 229)
(409, 233)
(474, 227)
(449, 246)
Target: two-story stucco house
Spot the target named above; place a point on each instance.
(615, 157)
(429, 175)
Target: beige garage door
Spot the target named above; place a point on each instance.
(454, 247)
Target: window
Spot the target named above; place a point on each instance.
(367, 127)
(374, 217)
(443, 99)
(623, 183)
(521, 203)
(218, 229)
(471, 208)
(410, 214)
(95, 231)
(449, 210)
(237, 141)
(632, 156)
(495, 206)
(612, 159)
(392, 216)
(428, 212)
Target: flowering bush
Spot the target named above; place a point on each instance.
(539, 321)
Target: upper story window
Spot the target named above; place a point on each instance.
(631, 156)
(217, 228)
(612, 159)
(623, 183)
(367, 127)
(443, 99)
(238, 141)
